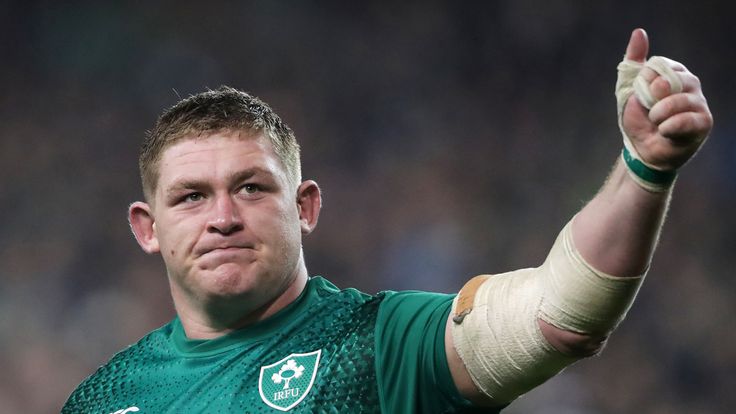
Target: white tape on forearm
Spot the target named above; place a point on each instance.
(498, 337)
(579, 298)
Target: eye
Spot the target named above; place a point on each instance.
(250, 188)
(192, 197)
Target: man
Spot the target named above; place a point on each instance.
(226, 209)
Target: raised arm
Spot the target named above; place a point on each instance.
(511, 332)
(617, 231)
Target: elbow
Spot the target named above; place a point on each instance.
(572, 344)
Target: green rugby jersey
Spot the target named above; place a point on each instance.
(330, 351)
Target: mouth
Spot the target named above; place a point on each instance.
(225, 249)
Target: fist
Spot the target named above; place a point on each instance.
(671, 132)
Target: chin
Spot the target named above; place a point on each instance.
(230, 280)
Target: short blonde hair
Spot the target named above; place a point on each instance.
(209, 112)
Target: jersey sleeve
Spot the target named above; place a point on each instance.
(412, 371)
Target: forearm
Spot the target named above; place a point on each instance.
(617, 231)
(515, 330)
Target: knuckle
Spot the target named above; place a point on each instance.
(668, 107)
(696, 79)
(693, 101)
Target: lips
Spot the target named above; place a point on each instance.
(223, 248)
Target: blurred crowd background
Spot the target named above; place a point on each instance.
(450, 139)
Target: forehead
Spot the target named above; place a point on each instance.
(218, 155)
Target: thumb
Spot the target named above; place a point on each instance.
(638, 47)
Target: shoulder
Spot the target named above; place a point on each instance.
(149, 346)
(96, 389)
(327, 292)
(414, 301)
(388, 304)
(325, 289)
(412, 313)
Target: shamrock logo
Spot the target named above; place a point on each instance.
(285, 383)
(288, 371)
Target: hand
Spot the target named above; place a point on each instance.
(670, 133)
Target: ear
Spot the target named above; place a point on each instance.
(309, 203)
(143, 225)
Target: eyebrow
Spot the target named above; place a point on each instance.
(237, 176)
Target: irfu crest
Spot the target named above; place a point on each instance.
(285, 383)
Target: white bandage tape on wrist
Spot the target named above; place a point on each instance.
(497, 333)
(630, 81)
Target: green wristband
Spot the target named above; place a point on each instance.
(658, 179)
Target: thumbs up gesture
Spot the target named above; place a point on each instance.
(663, 114)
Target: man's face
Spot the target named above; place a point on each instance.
(226, 218)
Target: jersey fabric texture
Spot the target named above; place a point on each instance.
(330, 351)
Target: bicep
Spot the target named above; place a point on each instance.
(460, 375)
(412, 370)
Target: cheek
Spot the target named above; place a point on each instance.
(292, 234)
(176, 240)
(292, 227)
(281, 228)
(168, 249)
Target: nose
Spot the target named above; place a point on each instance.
(225, 218)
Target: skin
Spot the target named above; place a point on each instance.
(617, 231)
(229, 226)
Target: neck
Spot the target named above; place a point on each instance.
(221, 316)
